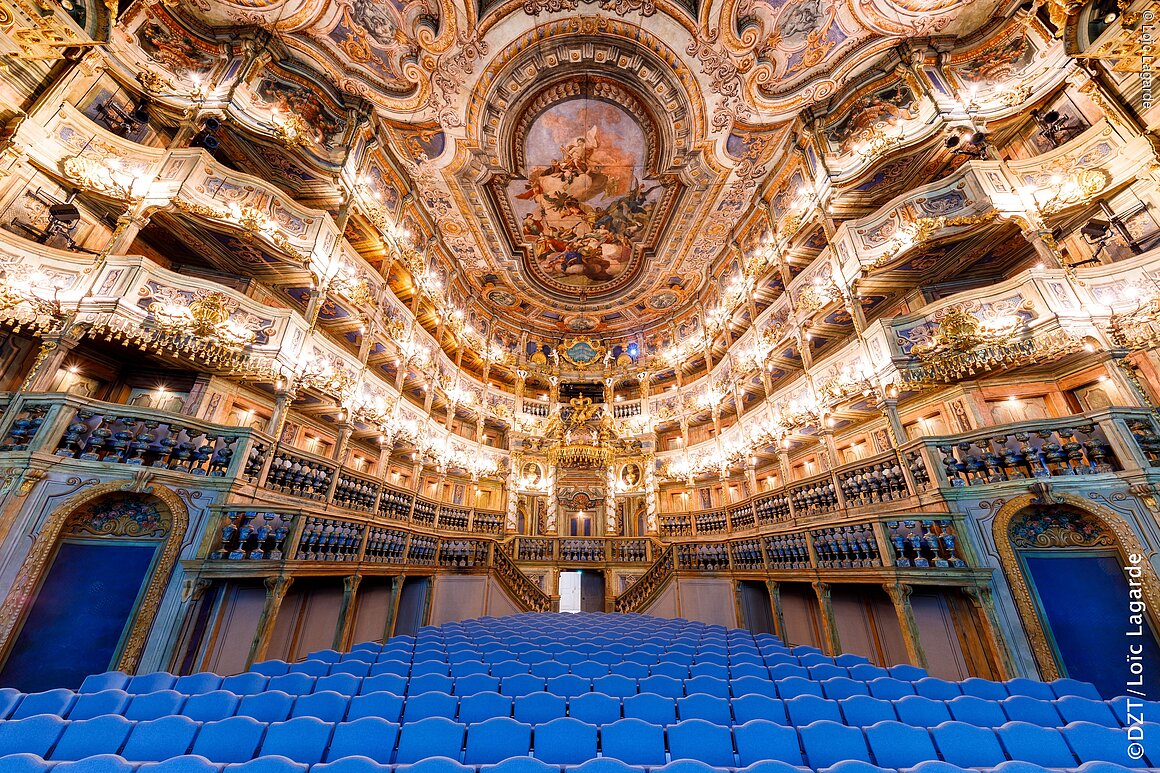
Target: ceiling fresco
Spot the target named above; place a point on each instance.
(570, 166)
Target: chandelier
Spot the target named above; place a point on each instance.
(207, 318)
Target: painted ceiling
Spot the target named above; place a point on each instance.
(582, 165)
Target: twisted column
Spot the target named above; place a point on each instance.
(553, 504)
(610, 500)
(650, 497)
(512, 497)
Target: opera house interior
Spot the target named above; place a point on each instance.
(544, 386)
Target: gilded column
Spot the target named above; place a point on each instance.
(830, 643)
(774, 588)
(553, 502)
(900, 596)
(513, 498)
(346, 611)
(650, 496)
(276, 588)
(393, 606)
(610, 501)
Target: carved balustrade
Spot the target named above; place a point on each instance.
(516, 583)
(924, 543)
(846, 547)
(638, 595)
(487, 522)
(875, 481)
(395, 504)
(712, 522)
(814, 496)
(355, 492)
(299, 473)
(453, 518)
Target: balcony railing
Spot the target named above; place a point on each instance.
(1092, 443)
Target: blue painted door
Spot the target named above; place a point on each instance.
(1083, 598)
(80, 615)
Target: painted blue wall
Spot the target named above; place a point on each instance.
(79, 616)
(1085, 599)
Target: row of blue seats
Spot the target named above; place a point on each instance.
(597, 708)
(590, 669)
(111, 763)
(886, 687)
(568, 741)
(499, 654)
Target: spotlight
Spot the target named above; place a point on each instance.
(141, 112)
(66, 214)
(1094, 229)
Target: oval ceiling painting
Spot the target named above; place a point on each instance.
(586, 205)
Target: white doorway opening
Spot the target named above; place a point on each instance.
(570, 591)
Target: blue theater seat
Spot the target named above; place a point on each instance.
(197, 684)
(568, 685)
(369, 737)
(977, 711)
(385, 705)
(90, 705)
(430, 704)
(216, 704)
(828, 743)
(151, 682)
(229, 740)
(652, 708)
(310, 667)
(922, 712)
(594, 708)
(889, 688)
(565, 741)
(303, 739)
(839, 687)
(662, 685)
(615, 685)
(271, 668)
(272, 764)
(1021, 708)
(753, 685)
(434, 737)
(984, 688)
(154, 705)
(343, 684)
(90, 737)
(896, 745)
(429, 683)
(110, 680)
(496, 739)
(863, 711)
(1091, 743)
(1074, 708)
(160, 739)
(937, 689)
(867, 673)
(751, 707)
(549, 669)
(327, 706)
(795, 686)
(34, 735)
(537, 708)
(634, 742)
(103, 763)
(1038, 745)
(480, 706)
(759, 740)
(604, 765)
(184, 764)
(806, 709)
(1064, 687)
(520, 765)
(23, 763)
(245, 684)
(706, 707)
(696, 739)
(56, 702)
(270, 706)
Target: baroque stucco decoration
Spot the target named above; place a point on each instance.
(1107, 529)
(170, 525)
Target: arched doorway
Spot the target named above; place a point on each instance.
(89, 588)
(1075, 575)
